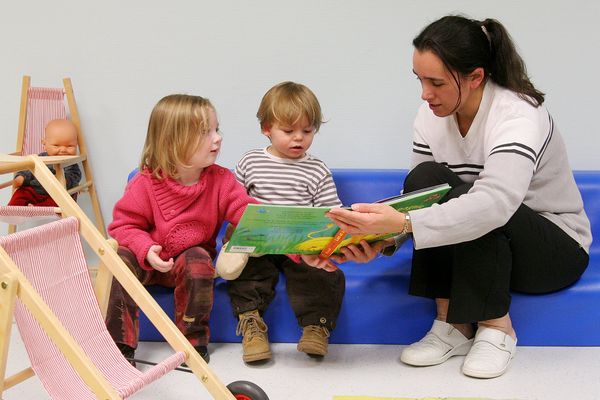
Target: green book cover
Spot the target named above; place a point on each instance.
(273, 229)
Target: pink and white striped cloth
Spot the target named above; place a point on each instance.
(52, 259)
(18, 214)
(43, 105)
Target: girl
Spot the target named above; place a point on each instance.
(514, 219)
(167, 220)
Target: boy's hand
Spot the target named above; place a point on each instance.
(18, 182)
(156, 262)
(318, 262)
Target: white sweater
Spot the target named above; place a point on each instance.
(514, 154)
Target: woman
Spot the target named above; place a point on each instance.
(514, 218)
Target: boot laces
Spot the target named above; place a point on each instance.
(318, 330)
(250, 325)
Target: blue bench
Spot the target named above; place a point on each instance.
(377, 308)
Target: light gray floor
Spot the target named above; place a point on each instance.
(546, 373)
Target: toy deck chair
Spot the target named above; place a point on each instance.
(59, 317)
(38, 107)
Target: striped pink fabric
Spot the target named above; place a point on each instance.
(43, 105)
(52, 259)
(27, 212)
(19, 214)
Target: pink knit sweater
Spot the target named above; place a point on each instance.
(175, 216)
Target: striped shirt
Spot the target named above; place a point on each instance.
(273, 180)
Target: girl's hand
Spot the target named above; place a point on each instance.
(156, 262)
(367, 218)
(317, 262)
(228, 232)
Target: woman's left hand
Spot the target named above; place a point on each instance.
(367, 218)
(362, 252)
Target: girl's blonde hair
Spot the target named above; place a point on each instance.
(176, 128)
(287, 103)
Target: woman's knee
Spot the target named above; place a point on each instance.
(431, 173)
(428, 173)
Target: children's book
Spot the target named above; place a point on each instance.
(273, 229)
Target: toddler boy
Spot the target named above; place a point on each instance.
(284, 173)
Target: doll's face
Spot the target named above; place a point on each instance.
(60, 138)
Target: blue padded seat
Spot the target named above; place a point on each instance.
(377, 308)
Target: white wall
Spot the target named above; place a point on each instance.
(355, 54)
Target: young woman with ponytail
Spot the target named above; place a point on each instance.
(514, 218)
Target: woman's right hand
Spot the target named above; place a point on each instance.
(153, 258)
(361, 253)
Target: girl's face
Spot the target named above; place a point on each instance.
(438, 84)
(291, 142)
(208, 150)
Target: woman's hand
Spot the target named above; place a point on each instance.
(361, 253)
(367, 218)
(156, 262)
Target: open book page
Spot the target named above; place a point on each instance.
(271, 229)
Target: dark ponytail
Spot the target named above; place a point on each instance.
(464, 45)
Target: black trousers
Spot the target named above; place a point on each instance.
(529, 254)
(315, 295)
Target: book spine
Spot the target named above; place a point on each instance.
(333, 244)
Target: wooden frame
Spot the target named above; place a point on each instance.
(60, 162)
(111, 264)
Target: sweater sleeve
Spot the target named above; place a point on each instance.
(235, 199)
(72, 175)
(490, 203)
(132, 221)
(326, 194)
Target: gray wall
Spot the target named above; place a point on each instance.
(356, 55)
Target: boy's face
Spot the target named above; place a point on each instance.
(60, 138)
(290, 142)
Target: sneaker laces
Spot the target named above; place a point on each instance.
(250, 325)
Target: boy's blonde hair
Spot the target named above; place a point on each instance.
(287, 103)
(177, 126)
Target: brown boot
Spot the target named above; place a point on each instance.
(255, 341)
(314, 340)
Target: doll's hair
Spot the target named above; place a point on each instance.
(287, 103)
(178, 124)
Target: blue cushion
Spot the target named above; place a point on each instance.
(377, 308)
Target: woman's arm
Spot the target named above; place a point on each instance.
(368, 218)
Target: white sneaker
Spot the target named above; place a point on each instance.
(490, 355)
(439, 344)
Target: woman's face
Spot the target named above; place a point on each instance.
(438, 84)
